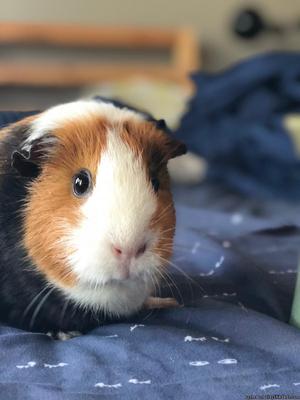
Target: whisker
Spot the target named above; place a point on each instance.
(165, 275)
(157, 284)
(169, 276)
(39, 306)
(33, 301)
(166, 230)
(153, 282)
(189, 285)
(64, 309)
(163, 279)
(162, 214)
(149, 314)
(182, 272)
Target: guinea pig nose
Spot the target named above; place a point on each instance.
(123, 252)
(117, 251)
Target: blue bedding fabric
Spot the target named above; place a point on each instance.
(235, 120)
(234, 271)
(231, 339)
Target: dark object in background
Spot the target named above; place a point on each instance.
(235, 121)
(249, 23)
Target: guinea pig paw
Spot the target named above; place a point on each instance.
(160, 302)
(64, 335)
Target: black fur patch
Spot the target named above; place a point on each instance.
(161, 123)
(22, 288)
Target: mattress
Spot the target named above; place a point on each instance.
(233, 272)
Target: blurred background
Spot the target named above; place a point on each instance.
(243, 56)
(211, 24)
(211, 20)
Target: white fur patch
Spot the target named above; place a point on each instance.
(118, 212)
(56, 116)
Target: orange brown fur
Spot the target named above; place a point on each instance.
(47, 217)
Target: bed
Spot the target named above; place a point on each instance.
(230, 339)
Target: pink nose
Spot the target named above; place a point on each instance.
(125, 253)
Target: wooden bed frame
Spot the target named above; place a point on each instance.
(181, 44)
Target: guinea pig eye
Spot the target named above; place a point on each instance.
(82, 183)
(155, 184)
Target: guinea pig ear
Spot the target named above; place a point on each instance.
(175, 148)
(161, 124)
(28, 158)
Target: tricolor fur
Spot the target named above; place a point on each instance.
(65, 243)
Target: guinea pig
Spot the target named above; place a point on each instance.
(86, 215)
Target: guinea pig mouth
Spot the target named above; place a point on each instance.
(117, 281)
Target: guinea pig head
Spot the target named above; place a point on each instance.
(99, 219)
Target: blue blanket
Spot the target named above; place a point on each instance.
(231, 338)
(234, 271)
(235, 121)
